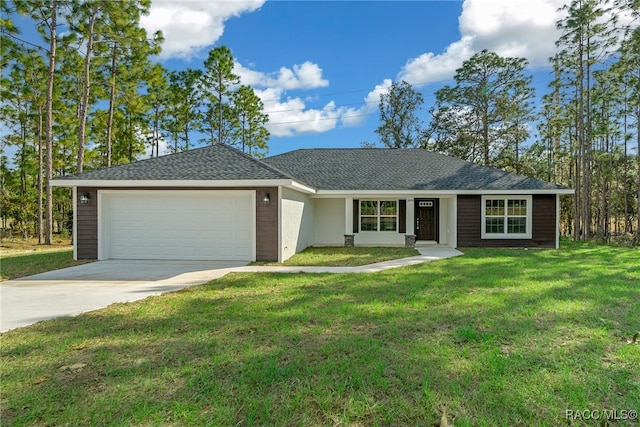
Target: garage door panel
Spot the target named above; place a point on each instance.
(179, 225)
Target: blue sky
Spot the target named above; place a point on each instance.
(320, 66)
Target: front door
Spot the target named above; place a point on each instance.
(426, 219)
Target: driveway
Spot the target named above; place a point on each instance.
(87, 287)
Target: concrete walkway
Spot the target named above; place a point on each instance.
(426, 254)
(87, 287)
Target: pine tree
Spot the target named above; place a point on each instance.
(487, 113)
(217, 82)
(250, 128)
(400, 126)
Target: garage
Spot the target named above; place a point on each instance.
(176, 224)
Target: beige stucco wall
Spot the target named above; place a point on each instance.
(329, 224)
(446, 223)
(296, 223)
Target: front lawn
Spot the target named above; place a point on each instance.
(495, 337)
(23, 264)
(340, 256)
(20, 258)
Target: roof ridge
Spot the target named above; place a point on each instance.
(258, 161)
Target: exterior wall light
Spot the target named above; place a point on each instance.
(84, 198)
(266, 199)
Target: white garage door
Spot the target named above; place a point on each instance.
(177, 225)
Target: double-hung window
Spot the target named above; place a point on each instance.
(506, 217)
(378, 215)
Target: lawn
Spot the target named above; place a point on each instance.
(495, 337)
(345, 257)
(20, 258)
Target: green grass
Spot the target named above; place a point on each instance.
(341, 256)
(497, 337)
(26, 264)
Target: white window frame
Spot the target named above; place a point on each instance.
(378, 216)
(506, 235)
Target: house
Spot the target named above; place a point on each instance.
(217, 203)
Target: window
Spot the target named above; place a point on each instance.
(378, 215)
(506, 217)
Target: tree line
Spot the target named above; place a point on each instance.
(584, 135)
(88, 94)
(91, 96)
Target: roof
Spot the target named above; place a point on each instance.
(396, 169)
(349, 169)
(214, 162)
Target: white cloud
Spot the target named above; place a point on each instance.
(189, 26)
(517, 28)
(429, 68)
(356, 116)
(521, 28)
(301, 76)
(290, 116)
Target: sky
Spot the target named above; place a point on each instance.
(320, 66)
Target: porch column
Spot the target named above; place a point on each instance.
(349, 237)
(453, 222)
(348, 215)
(410, 217)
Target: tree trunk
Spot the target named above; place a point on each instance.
(220, 133)
(23, 179)
(638, 159)
(40, 178)
(49, 122)
(86, 84)
(112, 101)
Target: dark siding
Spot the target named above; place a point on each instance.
(356, 215)
(543, 224)
(267, 225)
(469, 221)
(266, 221)
(402, 216)
(87, 225)
(544, 220)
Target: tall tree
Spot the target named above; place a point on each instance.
(158, 101)
(183, 115)
(128, 48)
(23, 96)
(628, 70)
(46, 15)
(251, 121)
(487, 111)
(400, 126)
(218, 80)
(586, 41)
(83, 23)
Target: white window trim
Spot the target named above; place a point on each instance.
(378, 216)
(506, 235)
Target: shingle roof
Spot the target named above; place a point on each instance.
(396, 169)
(215, 162)
(324, 169)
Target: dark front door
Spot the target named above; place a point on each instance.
(426, 219)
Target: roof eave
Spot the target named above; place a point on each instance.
(180, 183)
(444, 192)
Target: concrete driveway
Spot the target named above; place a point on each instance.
(87, 287)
